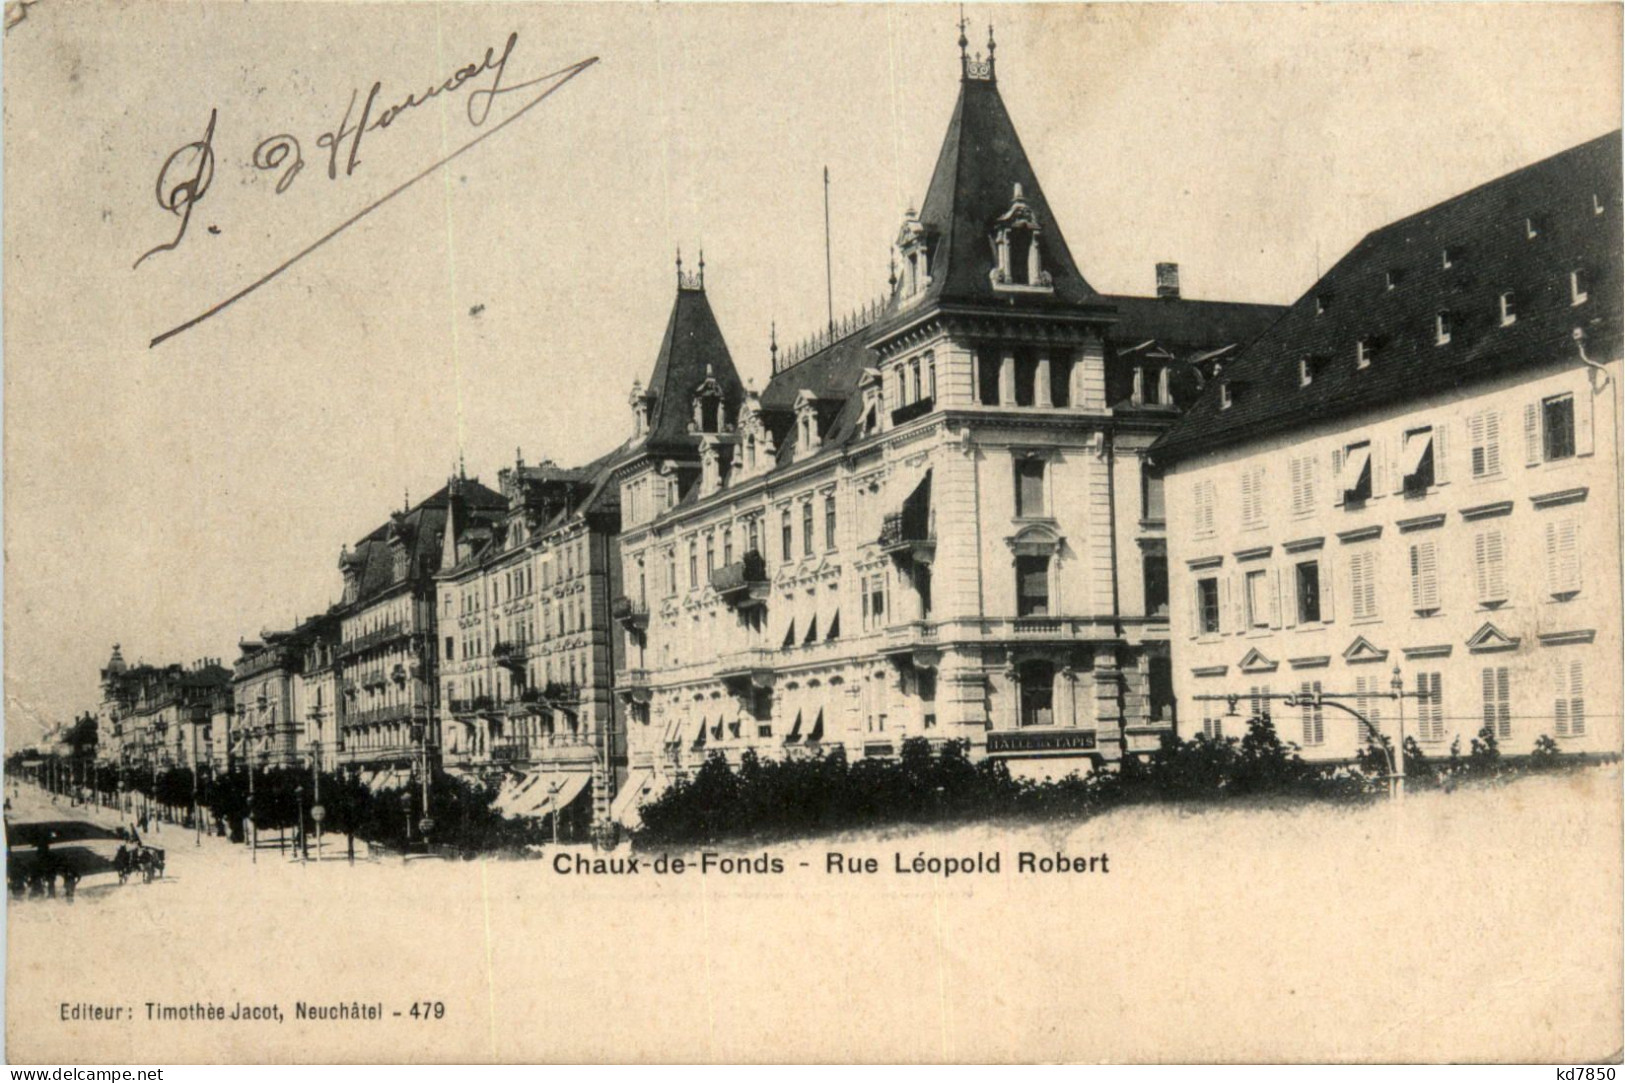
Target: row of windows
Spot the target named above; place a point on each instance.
(1023, 378)
(1261, 589)
(1494, 709)
(1553, 431)
(719, 543)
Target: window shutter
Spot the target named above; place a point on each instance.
(1227, 610)
(1481, 580)
(1416, 577)
(1426, 587)
(1568, 553)
(1298, 465)
(1489, 698)
(1338, 454)
(1584, 441)
(1194, 601)
(1560, 693)
(1396, 480)
(1531, 434)
(1378, 465)
(1441, 454)
(1275, 598)
(1577, 703)
(1495, 556)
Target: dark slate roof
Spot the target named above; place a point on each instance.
(692, 346)
(978, 167)
(1183, 325)
(422, 528)
(1491, 253)
(832, 374)
(591, 491)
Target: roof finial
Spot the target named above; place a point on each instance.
(679, 265)
(406, 499)
(964, 42)
(702, 268)
(990, 48)
(773, 344)
(891, 278)
(462, 473)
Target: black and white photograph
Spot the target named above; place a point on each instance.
(885, 533)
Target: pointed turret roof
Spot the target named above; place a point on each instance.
(978, 169)
(691, 350)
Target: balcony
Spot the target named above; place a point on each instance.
(910, 536)
(751, 666)
(388, 633)
(742, 583)
(633, 684)
(510, 656)
(399, 712)
(918, 408)
(631, 613)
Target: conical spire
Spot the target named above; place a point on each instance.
(979, 169)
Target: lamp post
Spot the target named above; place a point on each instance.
(1318, 700)
(317, 813)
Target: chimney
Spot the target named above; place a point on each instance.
(1168, 281)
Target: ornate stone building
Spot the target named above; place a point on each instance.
(156, 717)
(526, 647)
(387, 691)
(934, 519)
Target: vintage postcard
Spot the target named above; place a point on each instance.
(771, 532)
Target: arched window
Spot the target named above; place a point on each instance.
(1037, 681)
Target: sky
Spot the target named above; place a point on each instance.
(176, 499)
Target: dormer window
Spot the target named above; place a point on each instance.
(1306, 372)
(1364, 351)
(1018, 248)
(1393, 277)
(808, 438)
(1596, 203)
(1323, 301)
(709, 415)
(1509, 314)
(1442, 324)
(913, 245)
(1164, 391)
(1531, 228)
(1449, 258)
(1227, 397)
(1579, 283)
(640, 402)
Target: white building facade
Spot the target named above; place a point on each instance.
(1415, 475)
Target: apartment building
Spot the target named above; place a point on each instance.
(935, 518)
(1414, 476)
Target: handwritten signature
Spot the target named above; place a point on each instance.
(186, 175)
(179, 196)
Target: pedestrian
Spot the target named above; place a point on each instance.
(70, 882)
(121, 863)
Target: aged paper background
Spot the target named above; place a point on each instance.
(192, 493)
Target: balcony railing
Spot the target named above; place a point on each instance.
(742, 582)
(509, 655)
(631, 613)
(917, 408)
(386, 634)
(400, 712)
(913, 535)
